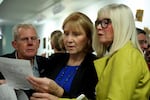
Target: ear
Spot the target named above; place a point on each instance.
(89, 42)
(14, 44)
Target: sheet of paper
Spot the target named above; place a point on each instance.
(7, 93)
(15, 72)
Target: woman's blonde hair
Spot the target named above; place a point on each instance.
(123, 26)
(57, 41)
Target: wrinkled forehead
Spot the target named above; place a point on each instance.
(26, 32)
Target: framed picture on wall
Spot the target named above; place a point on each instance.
(139, 15)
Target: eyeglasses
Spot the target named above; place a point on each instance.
(141, 42)
(104, 23)
(27, 39)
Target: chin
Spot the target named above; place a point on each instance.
(72, 52)
(31, 54)
(103, 42)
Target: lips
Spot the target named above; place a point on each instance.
(70, 47)
(30, 49)
(100, 35)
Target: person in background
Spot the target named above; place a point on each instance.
(142, 38)
(26, 44)
(74, 71)
(147, 56)
(143, 41)
(122, 71)
(57, 42)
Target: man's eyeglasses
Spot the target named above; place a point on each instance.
(104, 23)
(27, 39)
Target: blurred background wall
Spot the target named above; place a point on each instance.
(48, 15)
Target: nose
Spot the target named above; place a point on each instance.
(144, 46)
(99, 26)
(69, 38)
(30, 40)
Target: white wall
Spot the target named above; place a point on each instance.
(140, 4)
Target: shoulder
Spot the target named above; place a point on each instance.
(40, 58)
(89, 60)
(130, 57)
(90, 56)
(9, 55)
(57, 56)
(130, 52)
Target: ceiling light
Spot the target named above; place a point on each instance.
(1, 1)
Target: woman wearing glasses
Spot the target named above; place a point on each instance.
(122, 71)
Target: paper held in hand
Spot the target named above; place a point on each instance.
(15, 72)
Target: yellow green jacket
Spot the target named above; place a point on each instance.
(123, 76)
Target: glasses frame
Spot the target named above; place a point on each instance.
(104, 22)
(141, 42)
(27, 39)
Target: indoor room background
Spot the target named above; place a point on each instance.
(53, 19)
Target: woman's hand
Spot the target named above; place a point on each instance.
(46, 85)
(43, 96)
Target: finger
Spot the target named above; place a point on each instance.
(44, 96)
(32, 81)
(36, 80)
(39, 89)
(39, 84)
(40, 95)
(34, 84)
(33, 98)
